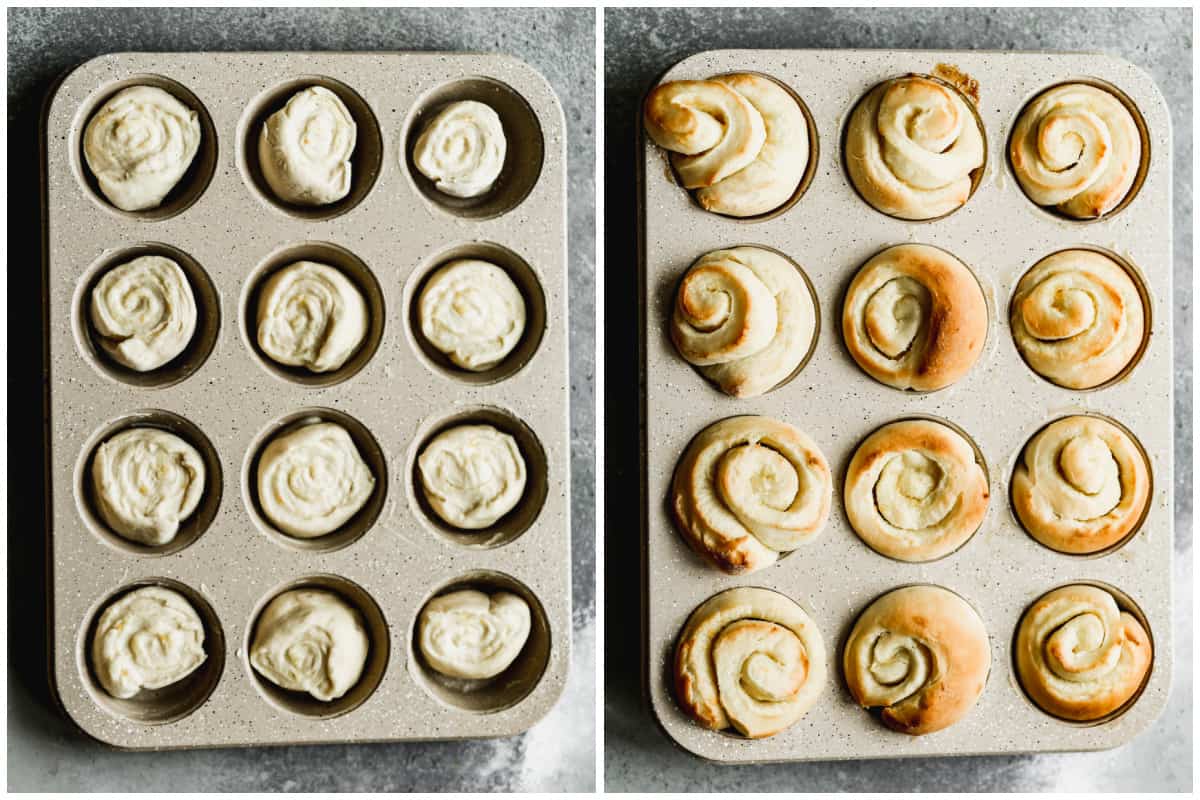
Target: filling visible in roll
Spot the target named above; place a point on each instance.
(472, 475)
(462, 149)
(144, 312)
(469, 634)
(147, 639)
(304, 148)
(310, 315)
(473, 312)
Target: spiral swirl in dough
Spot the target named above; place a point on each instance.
(139, 145)
(1078, 655)
(472, 311)
(745, 318)
(304, 148)
(1077, 148)
(147, 639)
(749, 658)
(467, 634)
(472, 475)
(1077, 318)
(313, 480)
(915, 318)
(1081, 485)
(310, 640)
(144, 312)
(911, 146)
(740, 140)
(462, 149)
(147, 481)
(748, 489)
(311, 315)
(914, 491)
(920, 655)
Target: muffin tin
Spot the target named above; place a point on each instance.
(830, 232)
(224, 396)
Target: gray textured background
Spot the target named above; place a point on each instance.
(44, 750)
(642, 43)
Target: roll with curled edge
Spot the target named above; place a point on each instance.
(144, 312)
(1078, 655)
(915, 318)
(148, 638)
(740, 140)
(462, 149)
(1076, 148)
(311, 315)
(920, 656)
(748, 489)
(1077, 318)
(912, 145)
(304, 148)
(1081, 485)
(469, 634)
(750, 659)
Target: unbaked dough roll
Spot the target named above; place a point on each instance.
(915, 318)
(914, 491)
(745, 318)
(147, 639)
(1076, 147)
(462, 149)
(311, 315)
(1078, 655)
(146, 482)
(748, 489)
(750, 659)
(741, 140)
(1081, 485)
(310, 640)
(313, 480)
(144, 312)
(912, 145)
(920, 655)
(1077, 318)
(139, 145)
(469, 634)
(472, 475)
(472, 311)
(304, 148)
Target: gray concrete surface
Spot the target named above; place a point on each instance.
(642, 43)
(44, 751)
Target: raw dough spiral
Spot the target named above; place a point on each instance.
(310, 640)
(1077, 318)
(740, 140)
(914, 491)
(745, 317)
(473, 312)
(311, 315)
(304, 148)
(462, 149)
(472, 475)
(1078, 655)
(139, 145)
(920, 655)
(748, 489)
(147, 639)
(467, 634)
(911, 147)
(144, 312)
(1081, 485)
(146, 482)
(1077, 148)
(749, 658)
(915, 318)
(313, 480)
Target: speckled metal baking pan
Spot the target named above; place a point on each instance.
(388, 234)
(1001, 403)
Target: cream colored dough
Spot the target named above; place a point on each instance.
(469, 634)
(304, 149)
(472, 475)
(462, 149)
(144, 312)
(147, 639)
(310, 315)
(473, 312)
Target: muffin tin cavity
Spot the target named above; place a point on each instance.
(350, 266)
(194, 181)
(516, 521)
(523, 159)
(191, 528)
(368, 448)
(378, 651)
(511, 686)
(170, 703)
(527, 283)
(366, 161)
